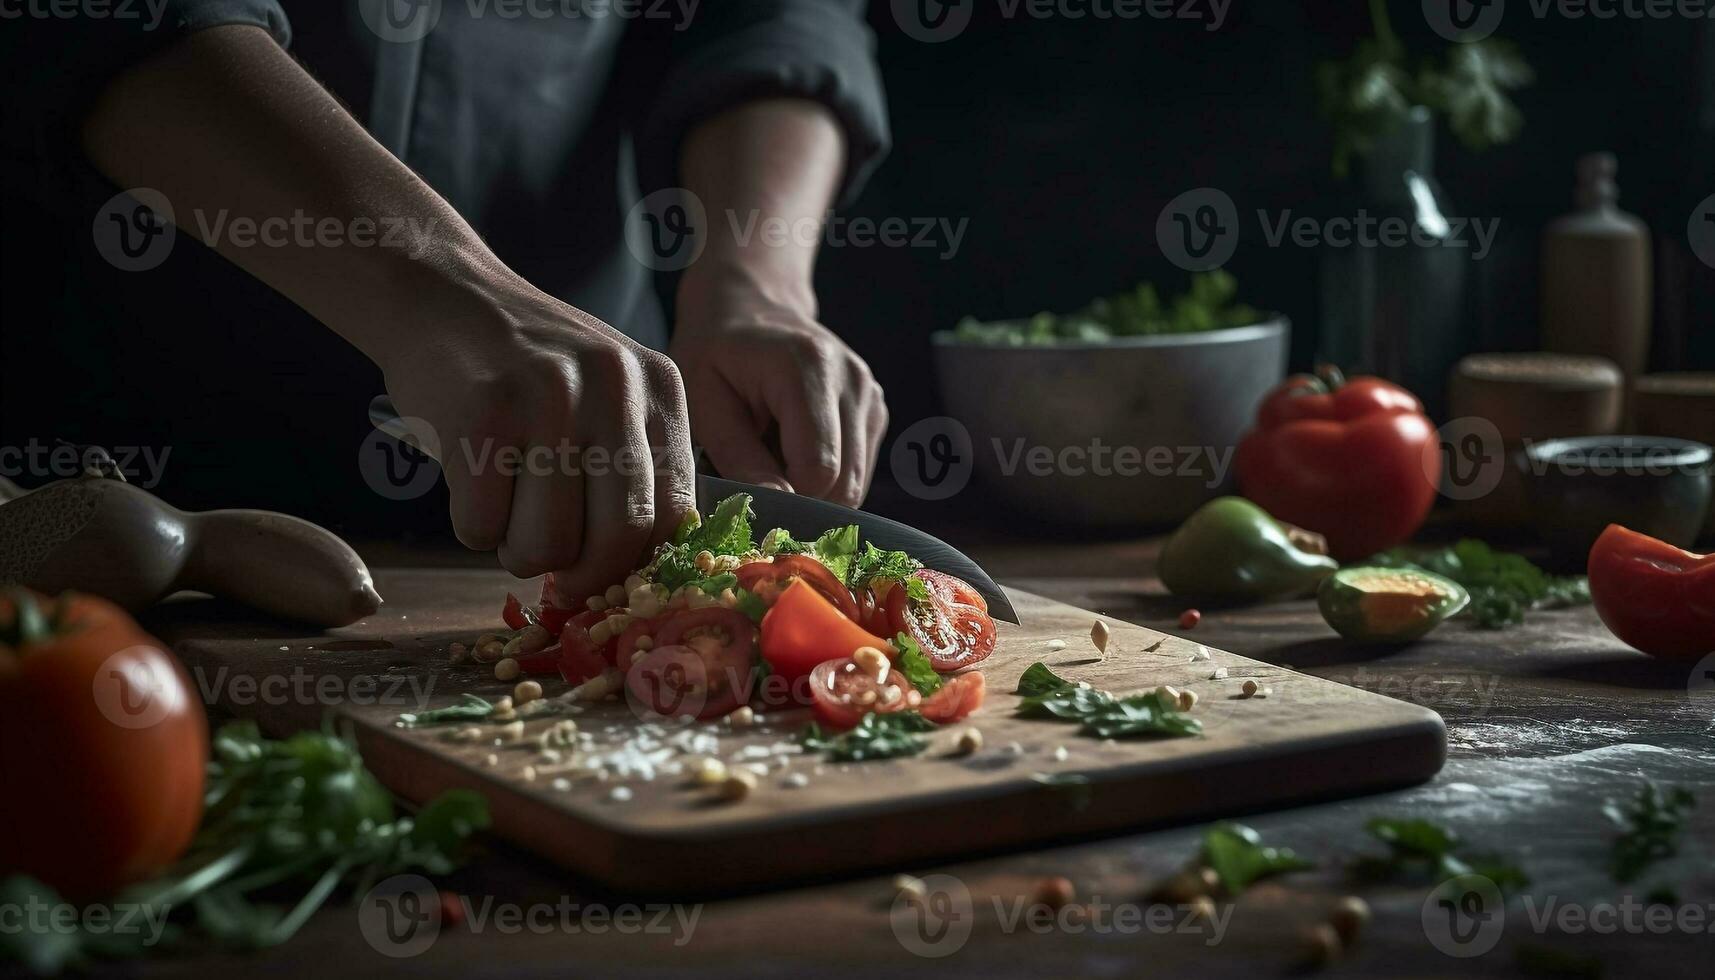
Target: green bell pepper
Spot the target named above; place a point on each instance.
(1231, 548)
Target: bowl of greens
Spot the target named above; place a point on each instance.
(1123, 414)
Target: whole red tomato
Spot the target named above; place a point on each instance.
(1657, 598)
(102, 746)
(1356, 461)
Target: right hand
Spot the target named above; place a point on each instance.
(499, 371)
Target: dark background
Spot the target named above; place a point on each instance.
(1059, 139)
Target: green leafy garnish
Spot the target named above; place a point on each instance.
(469, 708)
(1373, 92)
(1208, 304)
(915, 665)
(1239, 857)
(1650, 825)
(1422, 851)
(836, 548)
(877, 736)
(724, 531)
(299, 816)
(1099, 713)
(894, 566)
(1503, 586)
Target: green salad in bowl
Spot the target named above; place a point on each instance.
(1209, 304)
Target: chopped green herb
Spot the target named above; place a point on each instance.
(1503, 586)
(896, 566)
(1425, 852)
(1240, 858)
(915, 665)
(1650, 825)
(836, 548)
(877, 736)
(1207, 305)
(750, 604)
(469, 708)
(1099, 713)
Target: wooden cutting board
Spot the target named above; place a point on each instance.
(1308, 739)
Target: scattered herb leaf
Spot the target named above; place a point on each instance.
(915, 665)
(1650, 824)
(877, 736)
(1421, 851)
(1099, 713)
(469, 708)
(1240, 858)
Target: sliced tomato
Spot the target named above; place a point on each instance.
(769, 579)
(580, 659)
(956, 700)
(625, 647)
(553, 618)
(542, 662)
(724, 638)
(514, 613)
(587, 619)
(872, 611)
(705, 674)
(953, 589)
(953, 634)
(805, 629)
(841, 693)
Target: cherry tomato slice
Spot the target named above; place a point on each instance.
(872, 611)
(841, 693)
(680, 679)
(514, 613)
(580, 659)
(625, 647)
(587, 619)
(954, 635)
(724, 638)
(768, 579)
(956, 700)
(953, 589)
(804, 629)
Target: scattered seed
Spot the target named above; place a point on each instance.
(526, 692)
(1189, 619)
(1220, 674)
(1061, 754)
(1168, 693)
(708, 772)
(528, 773)
(457, 653)
(1249, 689)
(1321, 945)
(908, 888)
(1056, 892)
(507, 669)
(596, 603)
(561, 784)
(1099, 636)
(491, 759)
(615, 595)
(1187, 700)
(1201, 908)
(741, 717)
(797, 780)
(620, 794)
(738, 785)
(970, 742)
(1349, 917)
(871, 661)
(1056, 645)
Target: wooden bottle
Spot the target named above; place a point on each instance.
(1596, 279)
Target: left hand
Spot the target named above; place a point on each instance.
(755, 359)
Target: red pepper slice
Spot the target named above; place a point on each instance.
(1657, 598)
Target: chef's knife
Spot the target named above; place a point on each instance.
(803, 517)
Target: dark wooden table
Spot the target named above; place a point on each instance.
(1545, 723)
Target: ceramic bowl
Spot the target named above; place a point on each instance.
(1128, 432)
(1651, 484)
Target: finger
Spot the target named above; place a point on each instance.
(727, 432)
(807, 408)
(670, 447)
(619, 499)
(546, 529)
(480, 496)
(863, 443)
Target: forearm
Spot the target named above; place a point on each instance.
(232, 131)
(772, 164)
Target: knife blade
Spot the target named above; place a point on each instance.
(803, 517)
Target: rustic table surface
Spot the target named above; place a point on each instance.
(1545, 723)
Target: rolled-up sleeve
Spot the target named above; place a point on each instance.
(732, 52)
(59, 55)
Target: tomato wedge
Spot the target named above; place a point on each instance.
(679, 681)
(579, 658)
(952, 633)
(956, 700)
(769, 579)
(804, 629)
(841, 693)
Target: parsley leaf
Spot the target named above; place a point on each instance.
(1503, 586)
(469, 708)
(1240, 858)
(915, 665)
(726, 531)
(872, 563)
(877, 736)
(1650, 826)
(1423, 851)
(1101, 714)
